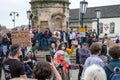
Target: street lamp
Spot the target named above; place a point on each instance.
(28, 16)
(83, 6)
(98, 13)
(14, 14)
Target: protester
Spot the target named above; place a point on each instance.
(33, 40)
(53, 49)
(5, 43)
(103, 54)
(1, 57)
(40, 40)
(63, 47)
(94, 72)
(95, 49)
(35, 32)
(68, 51)
(83, 54)
(89, 37)
(44, 70)
(105, 37)
(104, 49)
(47, 35)
(9, 36)
(12, 65)
(64, 37)
(72, 36)
(78, 38)
(61, 64)
(117, 40)
(114, 53)
(29, 63)
(53, 38)
(67, 54)
(93, 40)
(94, 34)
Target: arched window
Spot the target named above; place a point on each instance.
(101, 28)
(112, 27)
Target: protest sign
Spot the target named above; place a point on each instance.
(21, 37)
(110, 43)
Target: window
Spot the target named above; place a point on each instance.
(112, 27)
(101, 28)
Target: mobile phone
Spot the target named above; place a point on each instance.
(48, 58)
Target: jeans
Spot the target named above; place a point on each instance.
(47, 44)
(33, 49)
(28, 69)
(80, 73)
(40, 44)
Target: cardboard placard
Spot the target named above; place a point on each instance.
(21, 37)
(110, 43)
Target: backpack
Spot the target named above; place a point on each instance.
(115, 72)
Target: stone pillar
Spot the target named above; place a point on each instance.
(51, 14)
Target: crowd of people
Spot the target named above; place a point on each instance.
(94, 59)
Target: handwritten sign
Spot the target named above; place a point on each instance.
(21, 37)
(110, 43)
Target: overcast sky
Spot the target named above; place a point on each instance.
(21, 6)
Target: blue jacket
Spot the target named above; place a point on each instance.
(40, 36)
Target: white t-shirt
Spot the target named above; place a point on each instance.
(72, 35)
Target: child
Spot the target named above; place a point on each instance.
(53, 49)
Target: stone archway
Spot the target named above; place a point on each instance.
(58, 20)
(58, 23)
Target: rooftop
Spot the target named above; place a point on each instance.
(111, 11)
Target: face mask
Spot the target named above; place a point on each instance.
(63, 48)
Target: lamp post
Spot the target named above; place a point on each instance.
(14, 14)
(98, 13)
(28, 16)
(83, 6)
(68, 21)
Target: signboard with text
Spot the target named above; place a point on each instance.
(21, 37)
(82, 32)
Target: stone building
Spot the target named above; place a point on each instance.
(109, 20)
(50, 13)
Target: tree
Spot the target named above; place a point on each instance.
(2, 27)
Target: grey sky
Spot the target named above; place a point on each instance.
(21, 6)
